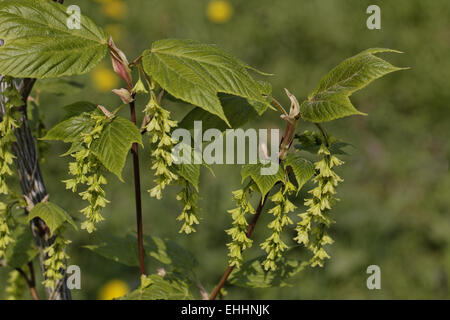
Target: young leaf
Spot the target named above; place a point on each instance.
(302, 168)
(237, 110)
(53, 215)
(190, 172)
(77, 108)
(261, 107)
(330, 100)
(310, 141)
(124, 251)
(264, 182)
(21, 251)
(121, 250)
(170, 253)
(161, 288)
(39, 44)
(196, 73)
(114, 144)
(70, 129)
(58, 87)
(252, 274)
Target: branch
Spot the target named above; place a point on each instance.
(31, 282)
(250, 230)
(324, 134)
(26, 86)
(29, 173)
(137, 191)
(285, 144)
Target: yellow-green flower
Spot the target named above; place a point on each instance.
(274, 245)
(86, 170)
(159, 129)
(312, 228)
(55, 262)
(7, 125)
(5, 231)
(16, 286)
(188, 196)
(239, 240)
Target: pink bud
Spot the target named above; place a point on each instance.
(294, 112)
(124, 95)
(120, 63)
(105, 111)
(161, 272)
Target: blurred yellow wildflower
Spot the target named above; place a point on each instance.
(104, 79)
(113, 289)
(219, 11)
(116, 9)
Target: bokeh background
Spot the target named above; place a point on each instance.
(395, 200)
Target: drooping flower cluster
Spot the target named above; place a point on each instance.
(159, 128)
(10, 99)
(312, 229)
(5, 232)
(238, 232)
(274, 245)
(188, 196)
(55, 261)
(86, 170)
(16, 286)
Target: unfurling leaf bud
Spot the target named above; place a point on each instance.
(291, 124)
(105, 111)
(124, 95)
(120, 63)
(294, 112)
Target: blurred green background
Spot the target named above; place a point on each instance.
(395, 198)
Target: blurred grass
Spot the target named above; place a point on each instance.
(395, 203)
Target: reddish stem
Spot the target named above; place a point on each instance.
(250, 230)
(137, 189)
(31, 282)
